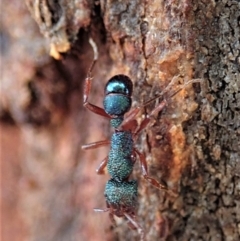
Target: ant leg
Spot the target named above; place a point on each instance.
(93, 145)
(136, 225)
(151, 180)
(93, 108)
(103, 164)
(149, 117)
(87, 86)
(107, 209)
(132, 114)
(131, 123)
(101, 210)
(96, 144)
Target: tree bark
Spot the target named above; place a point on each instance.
(49, 185)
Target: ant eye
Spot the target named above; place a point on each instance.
(119, 84)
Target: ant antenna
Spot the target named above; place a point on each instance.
(95, 57)
(184, 85)
(170, 85)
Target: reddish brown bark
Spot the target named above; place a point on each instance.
(49, 185)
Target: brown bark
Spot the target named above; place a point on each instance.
(49, 185)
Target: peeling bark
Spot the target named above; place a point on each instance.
(60, 21)
(193, 146)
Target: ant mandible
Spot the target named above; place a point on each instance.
(120, 192)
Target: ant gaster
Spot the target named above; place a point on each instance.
(120, 192)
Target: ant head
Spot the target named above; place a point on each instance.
(119, 84)
(118, 91)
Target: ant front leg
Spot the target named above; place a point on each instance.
(93, 108)
(130, 121)
(150, 116)
(87, 86)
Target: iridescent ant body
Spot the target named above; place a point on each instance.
(120, 192)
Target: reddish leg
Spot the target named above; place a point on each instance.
(101, 210)
(103, 164)
(150, 116)
(133, 221)
(129, 119)
(129, 122)
(107, 209)
(130, 125)
(95, 109)
(87, 85)
(151, 180)
(96, 144)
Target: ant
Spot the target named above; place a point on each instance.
(120, 192)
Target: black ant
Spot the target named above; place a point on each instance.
(120, 192)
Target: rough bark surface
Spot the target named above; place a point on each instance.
(49, 185)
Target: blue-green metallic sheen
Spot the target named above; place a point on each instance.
(120, 163)
(117, 104)
(121, 194)
(121, 141)
(120, 84)
(115, 122)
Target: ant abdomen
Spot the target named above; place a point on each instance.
(121, 195)
(118, 93)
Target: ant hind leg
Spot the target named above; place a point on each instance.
(133, 223)
(151, 180)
